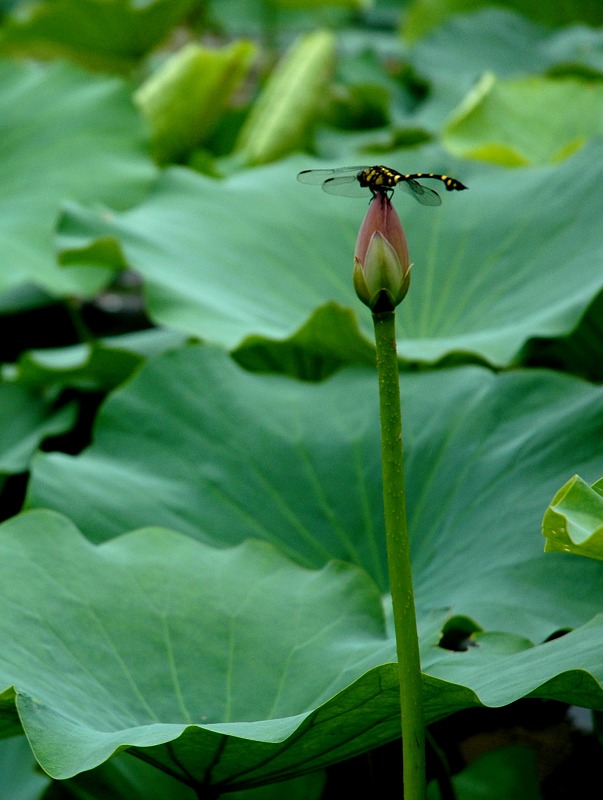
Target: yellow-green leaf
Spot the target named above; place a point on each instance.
(279, 120)
(185, 98)
(531, 120)
(573, 522)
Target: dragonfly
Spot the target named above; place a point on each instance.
(380, 180)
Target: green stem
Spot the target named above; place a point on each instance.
(398, 557)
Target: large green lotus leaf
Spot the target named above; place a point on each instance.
(19, 777)
(579, 352)
(228, 667)
(525, 120)
(424, 15)
(65, 134)
(260, 255)
(466, 46)
(304, 787)
(497, 775)
(501, 667)
(573, 522)
(504, 42)
(196, 444)
(127, 778)
(27, 418)
(153, 633)
(110, 35)
(328, 341)
(241, 18)
(122, 778)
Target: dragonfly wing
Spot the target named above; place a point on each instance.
(421, 193)
(344, 185)
(315, 176)
(318, 176)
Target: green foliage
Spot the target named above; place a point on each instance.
(184, 99)
(27, 418)
(309, 478)
(102, 34)
(151, 602)
(188, 399)
(573, 522)
(424, 15)
(159, 610)
(466, 295)
(20, 778)
(497, 775)
(524, 121)
(97, 366)
(454, 56)
(65, 135)
(279, 120)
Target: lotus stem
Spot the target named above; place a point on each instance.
(398, 557)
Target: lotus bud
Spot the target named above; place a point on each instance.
(381, 263)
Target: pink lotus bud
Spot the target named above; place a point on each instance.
(381, 263)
